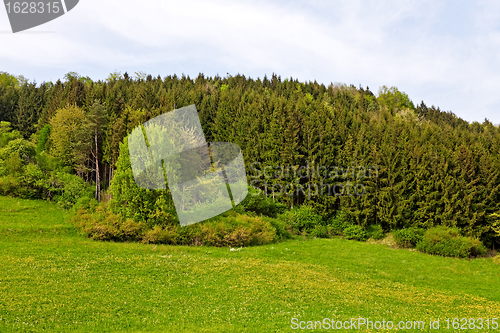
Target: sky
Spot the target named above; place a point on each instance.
(445, 53)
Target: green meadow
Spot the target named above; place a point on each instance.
(52, 279)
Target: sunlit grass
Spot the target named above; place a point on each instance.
(55, 280)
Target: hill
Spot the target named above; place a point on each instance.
(52, 279)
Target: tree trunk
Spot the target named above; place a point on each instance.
(105, 173)
(97, 178)
(110, 178)
(87, 172)
(110, 175)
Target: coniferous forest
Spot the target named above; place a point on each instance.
(318, 158)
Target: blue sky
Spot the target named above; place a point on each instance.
(446, 53)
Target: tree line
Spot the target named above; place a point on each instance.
(432, 168)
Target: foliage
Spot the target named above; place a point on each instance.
(337, 223)
(66, 189)
(10, 80)
(260, 204)
(104, 225)
(408, 237)
(14, 155)
(66, 123)
(432, 168)
(7, 134)
(151, 207)
(375, 231)
(355, 232)
(283, 231)
(9, 185)
(114, 76)
(236, 230)
(27, 171)
(85, 203)
(229, 230)
(301, 220)
(71, 189)
(394, 99)
(449, 243)
(43, 138)
(320, 231)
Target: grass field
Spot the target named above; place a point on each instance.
(52, 279)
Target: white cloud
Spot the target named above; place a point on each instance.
(444, 54)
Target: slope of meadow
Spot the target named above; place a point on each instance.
(55, 280)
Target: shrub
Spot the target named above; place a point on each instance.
(449, 243)
(496, 259)
(337, 223)
(43, 139)
(151, 207)
(237, 230)
(11, 165)
(20, 148)
(320, 231)
(231, 229)
(131, 230)
(189, 235)
(282, 229)
(7, 134)
(355, 232)
(157, 235)
(8, 185)
(33, 183)
(72, 188)
(301, 220)
(408, 237)
(104, 232)
(85, 203)
(260, 204)
(104, 225)
(237, 237)
(333, 230)
(47, 162)
(375, 231)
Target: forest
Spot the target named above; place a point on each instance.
(387, 164)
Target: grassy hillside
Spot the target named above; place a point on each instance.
(52, 279)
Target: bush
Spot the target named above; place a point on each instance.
(237, 230)
(337, 223)
(355, 232)
(301, 220)
(72, 188)
(151, 207)
(43, 138)
(282, 229)
(8, 185)
(7, 134)
(85, 203)
(320, 231)
(229, 230)
(33, 183)
(375, 231)
(20, 148)
(408, 237)
(260, 204)
(159, 235)
(47, 163)
(104, 225)
(449, 243)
